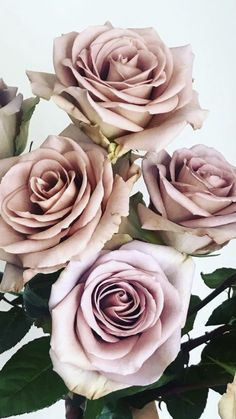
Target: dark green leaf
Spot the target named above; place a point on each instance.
(191, 404)
(36, 294)
(28, 107)
(224, 314)
(195, 300)
(27, 381)
(120, 410)
(131, 225)
(93, 408)
(216, 278)
(219, 361)
(14, 324)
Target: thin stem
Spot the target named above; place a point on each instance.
(230, 281)
(194, 343)
(12, 303)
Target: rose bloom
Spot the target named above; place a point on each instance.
(227, 403)
(124, 85)
(59, 201)
(193, 198)
(117, 317)
(10, 108)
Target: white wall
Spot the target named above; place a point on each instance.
(26, 32)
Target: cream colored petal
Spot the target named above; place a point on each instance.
(12, 280)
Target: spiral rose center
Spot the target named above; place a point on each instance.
(120, 308)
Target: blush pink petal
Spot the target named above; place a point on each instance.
(12, 280)
(62, 49)
(168, 258)
(64, 250)
(163, 131)
(182, 238)
(117, 207)
(161, 359)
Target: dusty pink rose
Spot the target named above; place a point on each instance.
(59, 201)
(124, 85)
(117, 317)
(193, 198)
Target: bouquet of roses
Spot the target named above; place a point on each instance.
(104, 275)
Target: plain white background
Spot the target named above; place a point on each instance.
(26, 34)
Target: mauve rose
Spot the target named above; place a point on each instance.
(122, 85)
(14, 120)
(193, 198)
(10, 107)
(227, 403)
(59, 201)
(117, 317)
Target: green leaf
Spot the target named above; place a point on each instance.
(120, 410)
(228, 368)
(28, 107)
(37, 293)
(93, 408)
(27, 381)
(188, 405)
(194, 301)
(224, 314)
(216, 278)
(14, 324)
(131, 225)
(218, 359)
(103, 409)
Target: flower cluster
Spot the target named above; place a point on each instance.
(119, 304)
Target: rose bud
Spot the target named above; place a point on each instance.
(59, 201)
(117, 317)
(122, 85)
(192, 199)
(14, 120)
(227, 403)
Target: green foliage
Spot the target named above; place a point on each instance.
(219, 276)
(219, 361)
(132, 225)
(14, 324)
(224, 314)
(194, 301)
(98, 409)
(37, 293)
(27, 381)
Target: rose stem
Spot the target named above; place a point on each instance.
(194, 343)
(12, 303)
(229, 282)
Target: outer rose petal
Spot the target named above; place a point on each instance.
(12, 280)
(90, 384)
(9, 116)
(162, 130)
(183, 239)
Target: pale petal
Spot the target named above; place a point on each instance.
(163, 130)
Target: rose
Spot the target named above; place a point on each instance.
(59, 201)
(14, 120)
(193, 200)
(122, 85)
(227, 403)
(117, 317)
